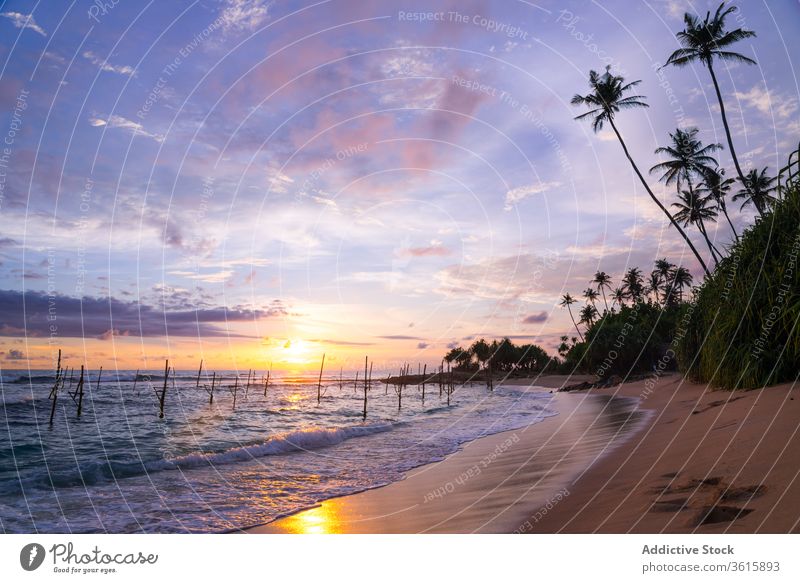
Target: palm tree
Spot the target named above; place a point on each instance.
(618, 297)
(602, 280)
(605, 101)
(633, 284)
(663, 272)
(717, 187)
(705, 41)
(588, 314)
(681, 277)
(591, 295)
(693, 209)
(688, 157)
(654, 284)
(567, 301)
(756, 191)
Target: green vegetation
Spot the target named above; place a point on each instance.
(741, 327)
(744, 327)
(499, 356)
(635, 335)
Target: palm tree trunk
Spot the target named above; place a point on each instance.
(725, 124)
(603, 291)
(658, 202)
(702, 229)
(573, 322)
(724, 208)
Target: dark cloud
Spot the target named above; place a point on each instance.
(536, 318)
(33, 314)
(422, 345)
(400, 337)
(14, 354)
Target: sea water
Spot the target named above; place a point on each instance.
(210, 467)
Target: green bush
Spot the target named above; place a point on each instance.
(744, 328)
(633, 340)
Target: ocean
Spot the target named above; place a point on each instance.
(211, 468)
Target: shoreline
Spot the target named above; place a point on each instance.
(709, 461)
(490, 484)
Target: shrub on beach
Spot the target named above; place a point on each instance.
(744, 325)
(630, 341)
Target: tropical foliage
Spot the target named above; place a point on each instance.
(744, 326)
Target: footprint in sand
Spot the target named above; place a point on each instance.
(709, 501)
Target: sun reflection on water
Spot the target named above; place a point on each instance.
(320, 520)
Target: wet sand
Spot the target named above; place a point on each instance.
(709, 461)
(493, 484)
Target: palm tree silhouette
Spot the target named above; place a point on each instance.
(588, 314)
(681, 277)
(717, 187)
(693, 209)
(663, 271)
(756, 191)
(602, 280)
(605, 101)
(618, 297)
(633, 284)
(591, 295)
(705, 41)
(654, 284)
(567, 301)
(688, 158)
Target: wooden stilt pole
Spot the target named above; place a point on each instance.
(366, 384)
(163, 390)
(213, 380)
(319, 382)
(79, 390)
(424, 373)
(199, 371)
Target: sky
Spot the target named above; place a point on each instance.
(253, 182)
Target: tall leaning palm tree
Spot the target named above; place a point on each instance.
(693, 209)
(757, 191)
(705, 41)
(566, 302)
(717, 187)
(606, 99)
(603, 281)
(687, 159)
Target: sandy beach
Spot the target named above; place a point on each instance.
(708, 462)
(664, 456)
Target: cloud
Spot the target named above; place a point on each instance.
(240, 15)
(422, 345)
(23, 21)
(119, 122)
(522, 192)
(536, 318)
(14, 354)
(765, 102)
(399, 337)
(108, 67)
(35, 314)
(435, 249)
